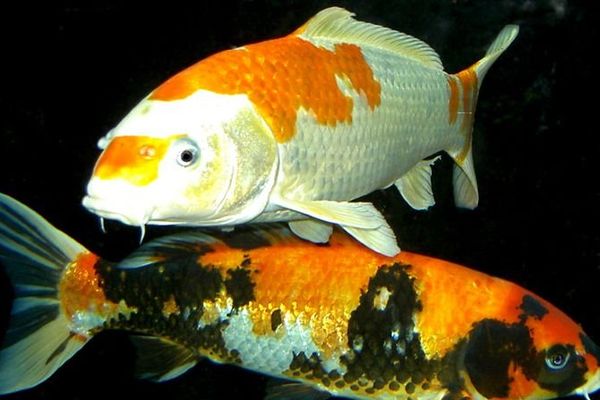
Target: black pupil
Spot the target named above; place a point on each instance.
(558, 359)
(187, 156)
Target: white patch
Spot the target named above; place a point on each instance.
(203, 111)
(357, 344)
(215, 311)
(381, 299)
(82, 322)
(270, 354)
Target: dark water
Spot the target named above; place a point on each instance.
(69, 74)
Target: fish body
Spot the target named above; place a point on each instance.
(292, 129)
(337, 318)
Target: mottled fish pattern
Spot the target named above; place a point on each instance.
(338, 317)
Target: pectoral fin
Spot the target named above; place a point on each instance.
(381, 240)
(415, 185)
(358, 215)
(361, 220)
(160, 359)
(312, 230)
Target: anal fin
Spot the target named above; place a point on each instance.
(415, 185)
(466, 194)
(160, 359)
(285, 390)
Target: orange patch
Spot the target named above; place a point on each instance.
(80, 289)
(133, 158)
(469, 84)
(316, 286)
(280, 77)
(170, 307)
(520, 386)
(454, 297)
(554, 327)
(453, 99)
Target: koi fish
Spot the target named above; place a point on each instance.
(337, 319)
(291, 130)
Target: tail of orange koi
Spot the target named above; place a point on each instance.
(39, 339)
(464, 87)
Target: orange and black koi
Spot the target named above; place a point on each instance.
(337, 318)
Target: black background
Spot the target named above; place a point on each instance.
(69, 73)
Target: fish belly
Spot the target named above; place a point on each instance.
(347, 160)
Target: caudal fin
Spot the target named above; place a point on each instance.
(464, 87)
(34, 255)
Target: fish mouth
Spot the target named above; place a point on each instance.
(122, 211)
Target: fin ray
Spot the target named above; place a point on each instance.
(337, 23)
(415, 185)
(38, 340)
(382, 240)
(312, 230)
(160, 359)
(359, 215)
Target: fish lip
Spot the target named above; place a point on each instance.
(101, 207)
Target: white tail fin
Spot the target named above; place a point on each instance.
(34, 255)
(506, 36)
(468, 83)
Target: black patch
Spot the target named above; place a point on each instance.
(275, 319)
(308, 367)
(239, 286)
(563, 380)
(532, 308)
(175, 276)
(381, 334)
(590, 347)
(492, 345)
(178, 276)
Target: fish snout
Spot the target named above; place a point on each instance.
(119, 201)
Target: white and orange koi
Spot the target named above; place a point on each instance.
(337, 319)
(293, 129)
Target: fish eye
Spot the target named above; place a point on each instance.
(186, 157)
(557, 357)
(187, 153)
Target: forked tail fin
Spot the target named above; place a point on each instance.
(464, 87)
(34, 255)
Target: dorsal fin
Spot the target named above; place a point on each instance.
(337, 23)
(194, 243)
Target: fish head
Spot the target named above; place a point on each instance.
(203, 160)
(534, 352)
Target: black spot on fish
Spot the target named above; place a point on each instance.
(568, 377)
(491, 347)
(275, 319)
(239, 286)
(381, 331)
(531, 307)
